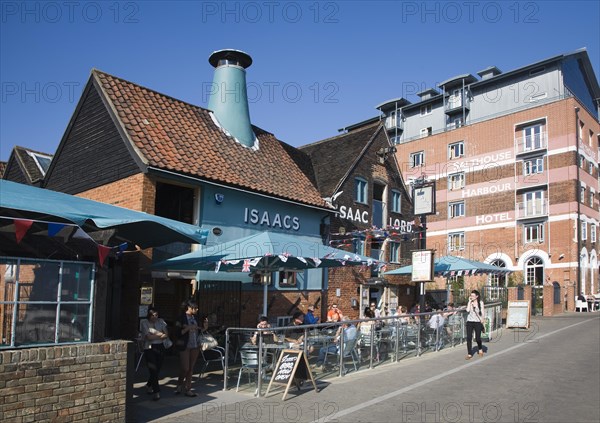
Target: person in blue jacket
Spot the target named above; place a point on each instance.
(309, 317)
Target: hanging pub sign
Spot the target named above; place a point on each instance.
(424, 199)
(291, 367)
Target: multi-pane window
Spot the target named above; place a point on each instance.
(581, 161)
(533, 203)
(532, 166)
(456, 150)
(456, 209)
(396, 201)
(583, 231)
(395, 252)
(582, 194)
(590, 168)
(417, 159)
(456, 181)
(456, 241)
(425, 110)
(533, 137)
(534, 232)
(592, 195)
(45, 302)
(287, 279)
(360, 190)
(593, 232)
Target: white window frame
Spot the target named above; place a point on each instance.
(413, 156)
(426, 110)
(582, 194)
(533, 136)
(534, 233)
(592, 196)
(593, 232)
(533, 200)
(425, 132)
(396, 201)
(533, 166)
(583, 230)
(456, 150)
(456, 181)
(452, 208)
(456, 236)
(395, 252)
(361, 197)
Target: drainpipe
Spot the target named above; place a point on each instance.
(578, 203)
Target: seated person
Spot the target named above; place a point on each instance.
(350, 333)
(263, 323)
(403, 318)
(334, 314)
(296, 336)
(310, 318)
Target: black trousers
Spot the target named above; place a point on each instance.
(154, 360)
(473, 327)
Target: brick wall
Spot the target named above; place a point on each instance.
(64, 383)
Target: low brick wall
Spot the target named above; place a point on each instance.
(64, 383)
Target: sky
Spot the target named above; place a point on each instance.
(317, 66)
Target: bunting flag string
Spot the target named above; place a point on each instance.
(66, 231)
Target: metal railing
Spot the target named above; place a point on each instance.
(389, 340)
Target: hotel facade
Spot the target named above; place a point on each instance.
(514, 157)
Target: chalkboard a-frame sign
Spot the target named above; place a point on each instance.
(292, 365)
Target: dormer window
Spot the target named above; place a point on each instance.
(426, 110)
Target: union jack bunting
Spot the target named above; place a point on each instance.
(246, 266)
(317, 261)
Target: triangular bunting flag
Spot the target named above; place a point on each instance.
(302, 259)
(21, 228)
(80, 233)
(102, 253)
(217, 266)
(246, 266)
(317, 261)
(283, 257)
(255, 261)
(54, 228)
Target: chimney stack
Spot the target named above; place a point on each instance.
(229, 100)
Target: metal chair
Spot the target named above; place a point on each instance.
(139, 350)
(213, 355)
(249, 359)
(349, 352)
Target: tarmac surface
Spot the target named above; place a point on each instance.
(547, 373)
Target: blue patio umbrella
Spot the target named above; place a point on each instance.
(454, 266)
(264, 253)
(143, 229)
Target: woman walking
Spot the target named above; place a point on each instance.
(154, 334)
(475, 316)
(188, 330)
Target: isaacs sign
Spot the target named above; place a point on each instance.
(348, 213)
(271, 219)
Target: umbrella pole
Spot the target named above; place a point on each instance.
(265, 294)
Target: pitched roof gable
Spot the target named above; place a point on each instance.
(27, 165)
(172, 135)
(333, 158)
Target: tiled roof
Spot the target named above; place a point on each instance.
(176, 136)
(2, 167)
(332, 158)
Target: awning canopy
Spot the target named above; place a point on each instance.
(454, 266)
(145, 230)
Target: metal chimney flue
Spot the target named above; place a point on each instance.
(228, 97)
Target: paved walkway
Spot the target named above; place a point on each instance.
(549, 373)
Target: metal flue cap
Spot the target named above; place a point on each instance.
(230, 56)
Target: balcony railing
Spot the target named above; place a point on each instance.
(533, 208)
(457, 103)
(532, 142)
(394, 123)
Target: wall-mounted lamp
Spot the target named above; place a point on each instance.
(219, 198)
(562, 256)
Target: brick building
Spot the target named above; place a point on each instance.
(515, 159)
(358, 174)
